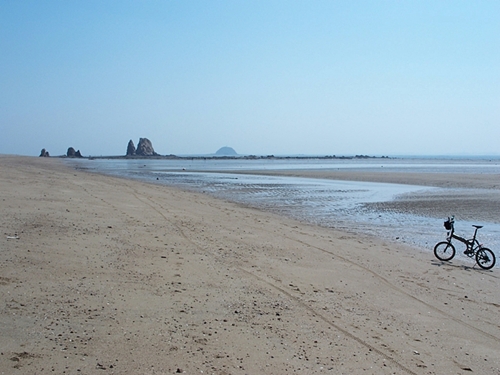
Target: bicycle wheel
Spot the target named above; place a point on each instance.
(485, 258)
(444, 251)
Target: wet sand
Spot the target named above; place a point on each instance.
(106, 275)
(471, 197)
(446, 180)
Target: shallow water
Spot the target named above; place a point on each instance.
(393, 165)
(343, 205)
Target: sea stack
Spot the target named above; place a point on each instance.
(145, 148)
(130, 148)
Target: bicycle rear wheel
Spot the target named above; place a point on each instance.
(444, 251)
(485, 258)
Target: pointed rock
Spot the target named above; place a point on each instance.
(130, 148)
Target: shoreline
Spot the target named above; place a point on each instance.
(444, 180)
(130, 277)
(469, 197)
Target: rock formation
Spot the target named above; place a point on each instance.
(226, 151)
(71, 153)
(145, 148)
(44, 153)
(130, 148)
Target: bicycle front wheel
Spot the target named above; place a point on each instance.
(444, 251)
(485, 258)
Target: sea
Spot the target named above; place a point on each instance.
(343, 205)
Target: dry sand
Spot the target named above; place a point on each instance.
(105, 275)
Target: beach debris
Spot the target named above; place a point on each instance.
(100, 367)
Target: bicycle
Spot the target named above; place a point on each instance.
(445, 250)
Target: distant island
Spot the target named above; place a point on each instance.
(226, 151)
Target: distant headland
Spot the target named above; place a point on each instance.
(145, 150)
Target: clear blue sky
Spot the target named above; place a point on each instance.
(264, 77)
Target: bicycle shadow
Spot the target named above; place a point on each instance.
(451, 266)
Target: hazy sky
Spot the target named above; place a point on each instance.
(264, 77)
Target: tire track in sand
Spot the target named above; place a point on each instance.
(329, 322)
(156, 207)
(389, 284)
(153, 205)
(298, 301)
(400, 290)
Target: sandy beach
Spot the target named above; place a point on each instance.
(112, 276)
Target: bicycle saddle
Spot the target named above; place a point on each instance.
(477, 226)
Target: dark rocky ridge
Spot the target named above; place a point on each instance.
(145, 150)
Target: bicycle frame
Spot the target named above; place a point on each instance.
(468, 242)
